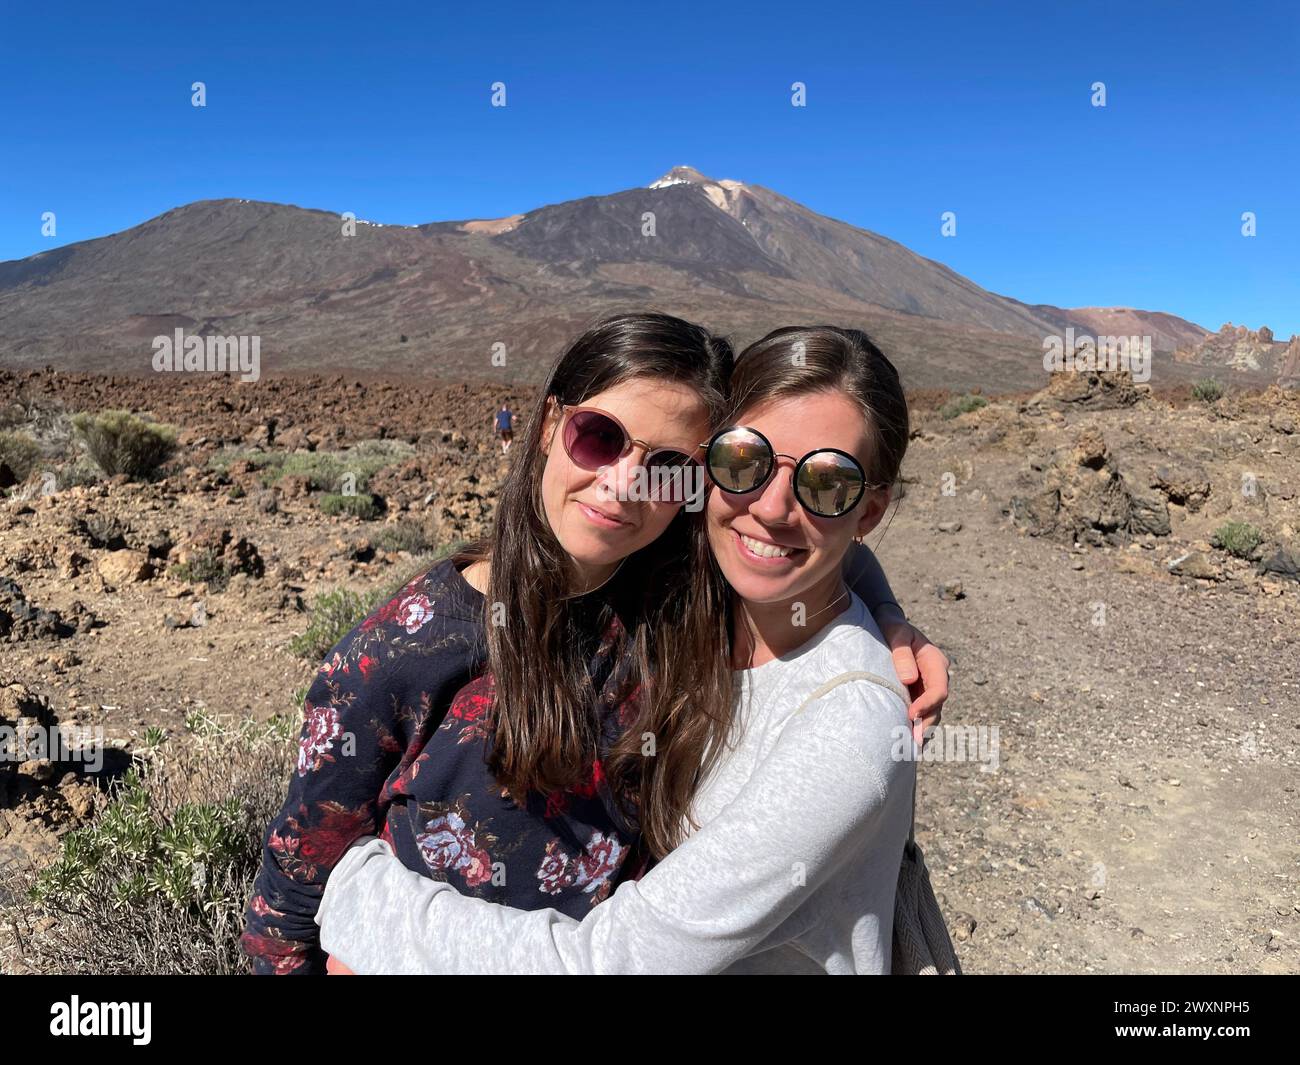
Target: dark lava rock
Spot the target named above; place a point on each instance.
(1281, 564)
(20, 620)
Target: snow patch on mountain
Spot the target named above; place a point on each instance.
(725, 195)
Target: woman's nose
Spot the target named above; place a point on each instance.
(776, 504)
(613, 482)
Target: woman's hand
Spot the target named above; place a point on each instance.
(334, 967)
(923, 669)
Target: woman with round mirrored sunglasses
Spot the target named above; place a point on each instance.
(828, 482)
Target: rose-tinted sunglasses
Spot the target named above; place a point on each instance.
(594, 439)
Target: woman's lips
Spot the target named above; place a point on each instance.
(601, 519)
(752, 555)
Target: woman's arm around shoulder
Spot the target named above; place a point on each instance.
(811, 803)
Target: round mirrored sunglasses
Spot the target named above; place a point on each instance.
(827, 482)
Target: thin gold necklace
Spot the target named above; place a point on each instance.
(752, 630)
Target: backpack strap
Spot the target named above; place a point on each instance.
(856, 674)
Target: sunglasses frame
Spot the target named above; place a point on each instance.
(794, 478)
(629, 441)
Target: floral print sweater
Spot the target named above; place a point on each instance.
(393, 743)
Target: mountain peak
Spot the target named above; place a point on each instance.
(725, 195)
(684, 175)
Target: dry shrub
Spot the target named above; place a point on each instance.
(19, 452)
(119, 442)
(158, 881)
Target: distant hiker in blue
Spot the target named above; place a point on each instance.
(504, 421)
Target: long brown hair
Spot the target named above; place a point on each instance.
(664, 610)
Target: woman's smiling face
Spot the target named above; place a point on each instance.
(771, 549)
(583, 508)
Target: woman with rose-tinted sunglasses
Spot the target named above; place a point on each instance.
(802, 818)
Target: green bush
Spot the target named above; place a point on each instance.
(221, 460)
(1207, 390)
(203, 566)
(962, 405)
(158, 881)
(406, 534)
(362, 505)
(81, 471)
(324, 470)
(1238, 538)
(333, 614)
(379, 453)
(20, 453)
(119, 442)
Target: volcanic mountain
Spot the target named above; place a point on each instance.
(497, 298)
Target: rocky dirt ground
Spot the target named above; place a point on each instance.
(1130, 692)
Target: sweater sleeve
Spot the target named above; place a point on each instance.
(346, 750)
(810, 804)
(864, 574)
(366, 715)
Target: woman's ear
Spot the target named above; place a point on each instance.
(877, 502)
(550, 422)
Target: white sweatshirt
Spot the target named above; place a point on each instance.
(793, 868)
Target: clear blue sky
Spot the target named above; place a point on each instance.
(913, 109)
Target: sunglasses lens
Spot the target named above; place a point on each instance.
(739, 460)
(593, 440)
(668, 460)
(670, 475)
(830, 484)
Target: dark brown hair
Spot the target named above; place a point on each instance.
(798, 360)
(664, 610)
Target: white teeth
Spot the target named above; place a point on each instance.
(763, 550)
